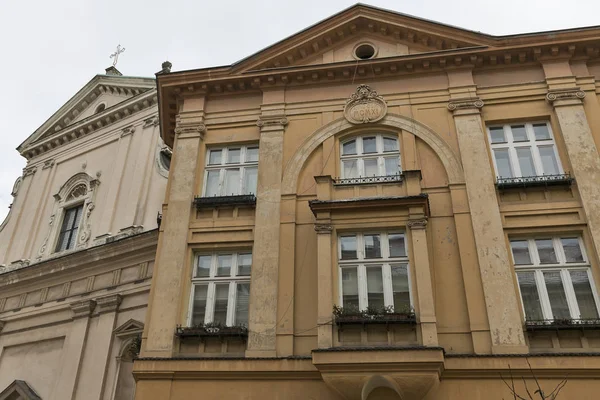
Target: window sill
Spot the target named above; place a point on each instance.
(368, 180)
(212, 332)
(225, 201)
(562, 325)
(390, 319)
(534, 181)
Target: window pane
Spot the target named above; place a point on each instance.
(224, 265)
(549, 162)
(63, 241)
(234, 156)
(250, 180)
(212, 184)
(350, 168)
(221, 299)
(400, 287)
(546, 251)
(349, 147)
(392, 166)
(541, 131)
(396, 241)
(349, 287)
(214, 157)
(375, 287)
(371, 167)
(348, 244)
(583, 293)
(244, 264)
(530, 296)
(572, 250)
(232, 182)
(497, 135)
(556, 294)
(519, 133)
(520, 251)
(199, 305)
(252, 154)
(369, 145)
(526, 161)
(503, 163)
(243, 300)
(390, 144)
(203, 269)
(372, 246)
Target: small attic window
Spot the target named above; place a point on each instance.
(364, 51)
(101, 107)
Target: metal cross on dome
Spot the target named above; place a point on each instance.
(115, 55)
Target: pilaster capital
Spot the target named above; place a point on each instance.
(414, 224)
(127, 130)
(560, 97)
(192, 130)
(83, 308)
(48, 164)
(323, 228)
(473, 104)
(29, 171)
(275, 121)
(108, 303)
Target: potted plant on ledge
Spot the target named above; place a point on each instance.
(373, 315)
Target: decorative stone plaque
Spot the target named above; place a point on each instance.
(365, 106)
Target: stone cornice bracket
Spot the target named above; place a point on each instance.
(466, 104)
(565, 96)
(108, 303)
(278, 121)
(365, 106)
(323, 228)
(420, 223)
(83, 308)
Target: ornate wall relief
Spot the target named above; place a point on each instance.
(365, 106)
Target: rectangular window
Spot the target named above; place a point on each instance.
(524, 150)
(231, 171)
(374, 271)
(221, 289)
(67, 237)
(555, 279)
(370, 157)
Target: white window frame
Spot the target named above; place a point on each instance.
(361, 263)
(223, 167)
(380, 154)
(212, 280)
(532, 143)
(562, 266)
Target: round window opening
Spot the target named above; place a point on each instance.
(365, 51)
(100, 108)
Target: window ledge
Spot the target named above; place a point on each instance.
(207, 332)
(225, 201)
(389, 319)
(534, 181)
(562, 325)
(368, 180)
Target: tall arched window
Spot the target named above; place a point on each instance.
(371, 155)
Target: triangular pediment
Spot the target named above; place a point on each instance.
(336, 39)
(130, 327)
(99, 96)
(19, 390)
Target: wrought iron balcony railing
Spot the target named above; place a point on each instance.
(533, 181)
(561, 324)
(368, 179)
(225, 201)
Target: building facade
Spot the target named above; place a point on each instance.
(77, 247)
(380, 207)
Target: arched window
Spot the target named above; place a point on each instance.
(371, 155)
(101, 107)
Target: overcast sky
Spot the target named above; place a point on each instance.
(50, 49)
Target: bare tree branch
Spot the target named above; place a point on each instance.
(540, 391)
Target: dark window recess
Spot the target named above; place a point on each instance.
(534, 181)
(165, 158)
(211, 330)
(368, 179)
(225, 201)
(561, 324)
(68, 231)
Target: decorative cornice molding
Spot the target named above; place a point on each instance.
(565, 94)
(465, 104)
(83, 308)
(108, 303)
(272, 121)
(323, 228)
(365, 106)
(420, 223)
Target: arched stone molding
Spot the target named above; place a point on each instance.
(13, 193)
(128, 337)
(448, 157)
(378, 381)
(81, 188)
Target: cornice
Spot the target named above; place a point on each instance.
(369, 203)
(91, 124)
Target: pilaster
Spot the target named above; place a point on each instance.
(167, 282)
(264, 283)
(496, 274)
